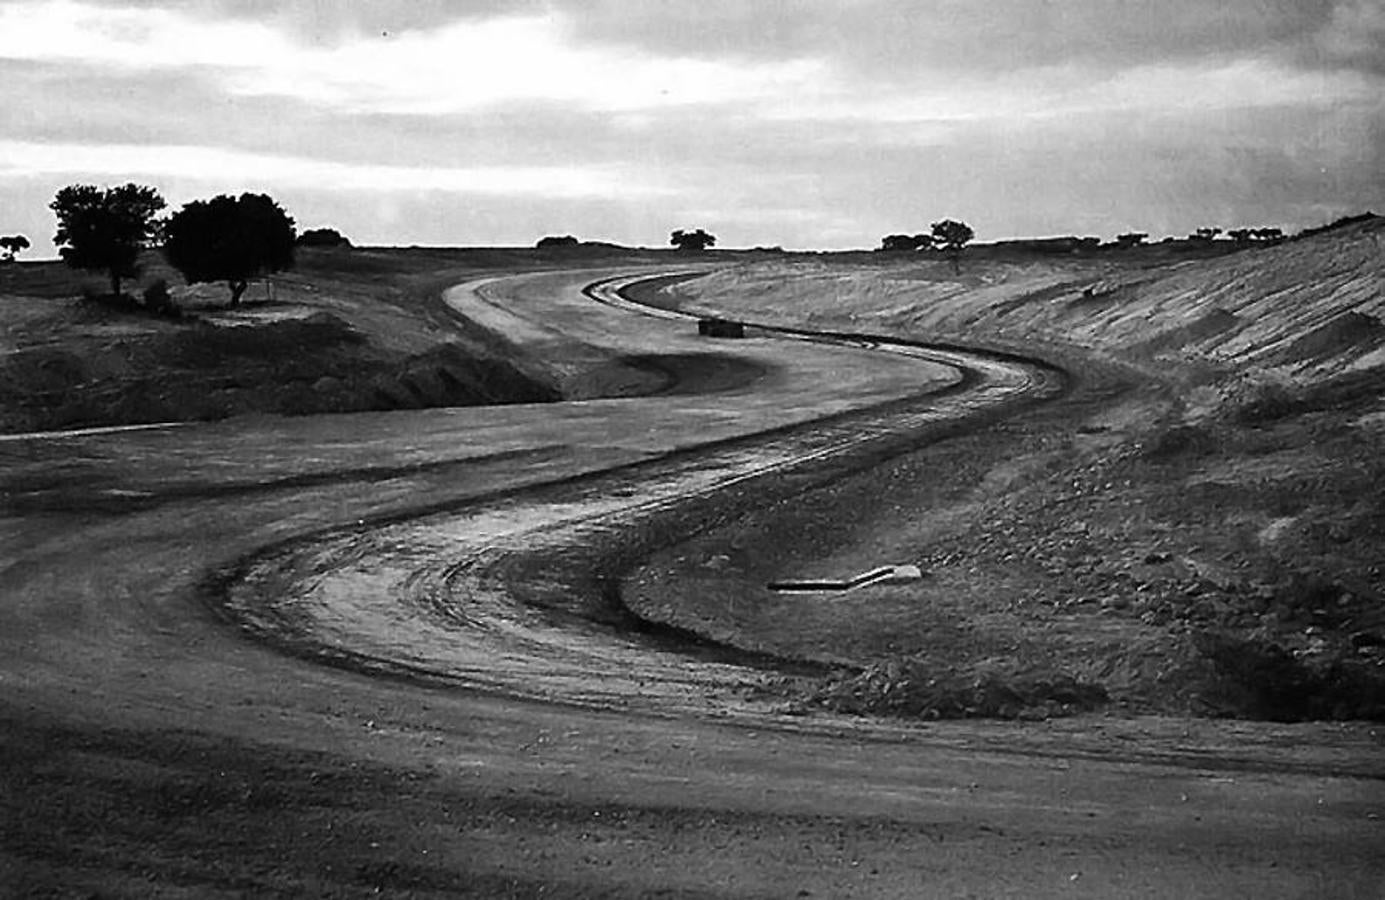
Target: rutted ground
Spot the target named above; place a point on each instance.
(347, 331)
(1201, 534)
(512, 593)
(151, 750)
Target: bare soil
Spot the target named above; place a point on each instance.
(345, 331)
(1195, 530)
(157, 741)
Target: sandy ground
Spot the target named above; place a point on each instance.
(160, 741)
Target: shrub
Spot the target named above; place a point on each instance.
(157, 299)
(323, 237)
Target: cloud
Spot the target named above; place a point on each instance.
(333, 22)
(883, 62)
(796, 122)
(1353, 37)
(886, 39)
(454, 67)
(21, 159)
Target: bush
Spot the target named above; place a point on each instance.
(323, 237)
(157, 299)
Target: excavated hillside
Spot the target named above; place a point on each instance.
(1198, 527)
(1306, 309)
(346, 331)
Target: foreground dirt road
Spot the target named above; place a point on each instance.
(153, 747)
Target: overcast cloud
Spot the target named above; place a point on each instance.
(790, 122)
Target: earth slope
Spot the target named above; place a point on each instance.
(1197, 528)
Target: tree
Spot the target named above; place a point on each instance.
(692, 241)
(893, 242)
(323, 237)
(12, 244)
(230, 239)
(1131, 239)
(953, 236)
(1204, 234)
(106, 228)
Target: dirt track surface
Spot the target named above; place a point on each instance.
(159, 740)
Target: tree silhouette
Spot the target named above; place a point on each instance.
(692, 241)
(893, 242)
(231, 239)
(952, 235)
(1131, 239)
(11, 245)
(106, 228)
(1245, 236)
(1204, 234)
(323, 237)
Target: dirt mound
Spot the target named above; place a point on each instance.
(913, 688)
(1263, 679)
(200, 370)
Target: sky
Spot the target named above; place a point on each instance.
(806, 124)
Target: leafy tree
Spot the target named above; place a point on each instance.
(893, 242)
(106, 228)
(692, 241)
(1131, 239)
(323, 237)
(231, 239)
(12, 244)
(952, 235)
(1204, 234)
(555, 242)
(1268, 234)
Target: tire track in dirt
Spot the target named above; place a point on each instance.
(149, 751)
(516, 593)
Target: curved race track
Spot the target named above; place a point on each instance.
(171, 597)
(515, 592)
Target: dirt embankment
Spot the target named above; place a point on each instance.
(313, 362)
(1306, 309)
(1203, 534)
(344, 333)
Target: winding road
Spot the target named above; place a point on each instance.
(407, 622)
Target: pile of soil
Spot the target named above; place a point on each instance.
(311, 345)
(201, 370)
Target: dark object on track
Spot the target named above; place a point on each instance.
(720, 328)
